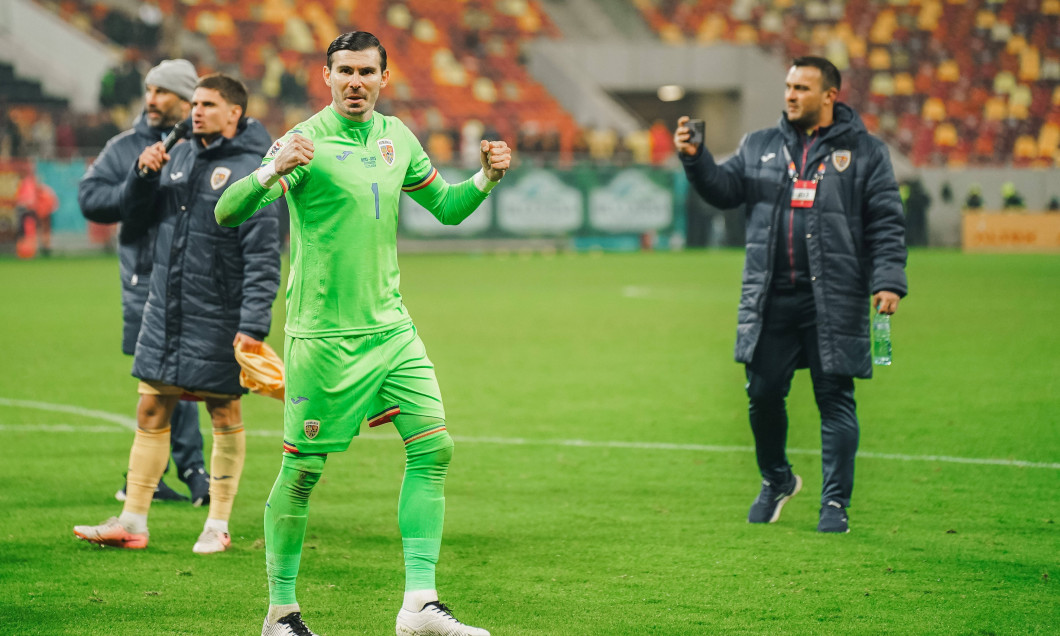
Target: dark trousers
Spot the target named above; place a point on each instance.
(185, 439)
(788, 341)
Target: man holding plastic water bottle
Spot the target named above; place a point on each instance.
(825, 232)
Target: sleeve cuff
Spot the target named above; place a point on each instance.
(255, 334)
(266, 176)
(482, 183)
(689, 160)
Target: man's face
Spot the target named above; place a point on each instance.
(211, 115)
(804, 97)
(164, 108)
(355, 78)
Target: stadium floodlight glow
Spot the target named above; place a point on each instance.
(671, 92)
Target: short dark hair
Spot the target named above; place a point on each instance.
(357, 41)
(232, 90)
(829, 73)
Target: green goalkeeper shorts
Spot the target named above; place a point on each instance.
(333, 384)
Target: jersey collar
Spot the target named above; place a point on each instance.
(352, 125)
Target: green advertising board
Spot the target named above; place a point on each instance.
(546, 203)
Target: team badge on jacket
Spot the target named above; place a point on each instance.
(386, 148)
(841, 159)
(312, 427)
(219, 177)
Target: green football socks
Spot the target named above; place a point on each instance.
(286, 515)
(421, 507)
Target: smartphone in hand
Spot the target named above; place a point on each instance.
(698, 128)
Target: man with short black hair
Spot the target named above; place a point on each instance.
(168, 88)
(825, 231)
(212, 291)
(352, 349)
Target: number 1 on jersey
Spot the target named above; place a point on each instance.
(375, 191)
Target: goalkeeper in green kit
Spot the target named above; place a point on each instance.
(351, 349)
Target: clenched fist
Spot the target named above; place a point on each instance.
(496, 158)
(298, 151)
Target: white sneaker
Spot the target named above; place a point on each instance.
(290, 625)
(111, 532)
(211, 541)
(434, 619)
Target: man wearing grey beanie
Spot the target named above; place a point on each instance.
(168, 89)
(176, 76)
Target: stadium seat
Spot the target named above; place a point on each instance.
(967, 61)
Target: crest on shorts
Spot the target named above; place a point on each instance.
(219, 177)
(386, 148)
(841, 159)
(312, 427)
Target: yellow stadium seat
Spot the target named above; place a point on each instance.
(948, 71)
(995, 109)
(1030, 64)
(1048, 140)
(904, 84)
(934, 109)
(1025, 148)
(946, 135)
(879, 59)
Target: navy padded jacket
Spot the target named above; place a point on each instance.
(209, 282)
(854, 233)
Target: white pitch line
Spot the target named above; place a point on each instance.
(124, 420)
(129, 423)
(655, 293)
(61, 428)
(517, 441)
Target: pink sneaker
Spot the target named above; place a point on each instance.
(112, 533)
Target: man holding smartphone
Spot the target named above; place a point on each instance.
(825, 231)
(698, 129)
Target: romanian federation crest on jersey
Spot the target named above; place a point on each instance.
(219, 177)
(312, 427)
(841, 159)
(386, 148)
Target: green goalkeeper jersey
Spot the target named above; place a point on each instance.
(344, 219)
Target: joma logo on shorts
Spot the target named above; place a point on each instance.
(299, 399)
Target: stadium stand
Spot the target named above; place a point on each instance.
(948, 82)
(450, 63)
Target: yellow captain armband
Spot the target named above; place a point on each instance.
(482, 182)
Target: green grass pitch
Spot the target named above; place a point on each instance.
(603, 467)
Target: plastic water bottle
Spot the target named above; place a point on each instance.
(881, 339)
